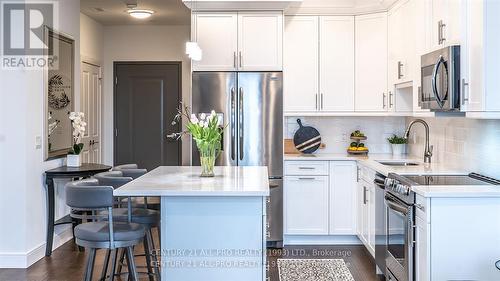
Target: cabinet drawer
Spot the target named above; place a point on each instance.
(300, 168)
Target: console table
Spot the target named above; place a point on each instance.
(86, 170)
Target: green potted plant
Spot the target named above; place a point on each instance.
(398, 144)
(206, 131)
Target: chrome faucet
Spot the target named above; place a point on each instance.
(428, 148)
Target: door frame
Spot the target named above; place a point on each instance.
(96, 63)
(179, 97)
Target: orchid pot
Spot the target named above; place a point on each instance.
(73, 158)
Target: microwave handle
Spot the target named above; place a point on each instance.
(434, 81)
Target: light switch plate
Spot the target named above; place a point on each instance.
(38, 142)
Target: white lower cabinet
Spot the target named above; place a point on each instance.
(366, 208)
(306, 205)
(320, 201)
(342, 198)
(457, 238)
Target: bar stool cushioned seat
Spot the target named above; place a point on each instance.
(98, 231)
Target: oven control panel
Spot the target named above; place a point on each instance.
(395, 186)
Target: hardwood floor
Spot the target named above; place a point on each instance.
(67, 263)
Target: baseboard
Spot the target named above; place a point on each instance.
(25, 260)
(321, 240)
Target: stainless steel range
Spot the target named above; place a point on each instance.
(400, 202)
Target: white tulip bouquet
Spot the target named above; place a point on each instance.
(78, 131)
(207, 131)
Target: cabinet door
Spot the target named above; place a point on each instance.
(371, 217)
(371, 62)
(301, 64)
(336, 61)
(342, 198)
(217, 36)
(472, 57)
(306, 205)
(260, 41)
(422, 253)
(445, 12)
(360, 209)
(395, 39)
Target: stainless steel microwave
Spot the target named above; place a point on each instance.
(440, 84)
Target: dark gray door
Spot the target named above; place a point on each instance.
(146, 98)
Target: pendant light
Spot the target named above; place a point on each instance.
(193, 50)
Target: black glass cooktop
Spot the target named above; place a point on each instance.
(471, 179)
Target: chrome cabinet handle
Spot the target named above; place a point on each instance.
(400, 75)
(321, 101)
(316, 101)
(306, 168)
(241, 131)
(464, 97)
(383, 100)
(357, 174)
(235, 60)
(364, 195)
(241, 59)
(391, 103)
(441, 38)
(306, 179)
(233, 123)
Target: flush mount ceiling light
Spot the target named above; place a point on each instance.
(140, 13)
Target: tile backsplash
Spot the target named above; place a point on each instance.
(335, 131)
(469, 143)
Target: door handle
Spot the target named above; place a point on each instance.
(439, 100)
(240, 126)
(233, 122)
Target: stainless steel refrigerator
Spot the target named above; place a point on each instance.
(251, 103)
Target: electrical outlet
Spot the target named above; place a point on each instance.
(38, 142)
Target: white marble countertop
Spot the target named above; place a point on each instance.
(371, 159)
(186, 181)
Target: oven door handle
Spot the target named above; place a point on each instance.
(439, 100)
(393, 205)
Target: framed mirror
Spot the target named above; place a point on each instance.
(59, 93)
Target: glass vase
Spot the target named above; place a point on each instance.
(208, 155)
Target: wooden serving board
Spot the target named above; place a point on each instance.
(289, 147)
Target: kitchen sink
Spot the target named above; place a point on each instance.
(398, 163)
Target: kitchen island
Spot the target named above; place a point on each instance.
(211, 228)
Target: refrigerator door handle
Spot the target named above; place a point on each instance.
(233, 124)
(240, 125)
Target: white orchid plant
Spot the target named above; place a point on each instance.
(78, 123)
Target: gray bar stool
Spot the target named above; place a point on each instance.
(146, 217)
(133, 171)
(88, 195)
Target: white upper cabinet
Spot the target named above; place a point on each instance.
(401, 38)
(480, 63)
(217, 36)
(336, 63)
(371, 62)
(239, 41)
(300, 64)
(260, 41)
(319, 63)
(445, 23)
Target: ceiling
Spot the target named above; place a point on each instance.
(112, 12)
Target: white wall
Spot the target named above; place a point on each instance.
(469, 143)
(92, 40)
(141, 43)
(23, 197)
(335, 131)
